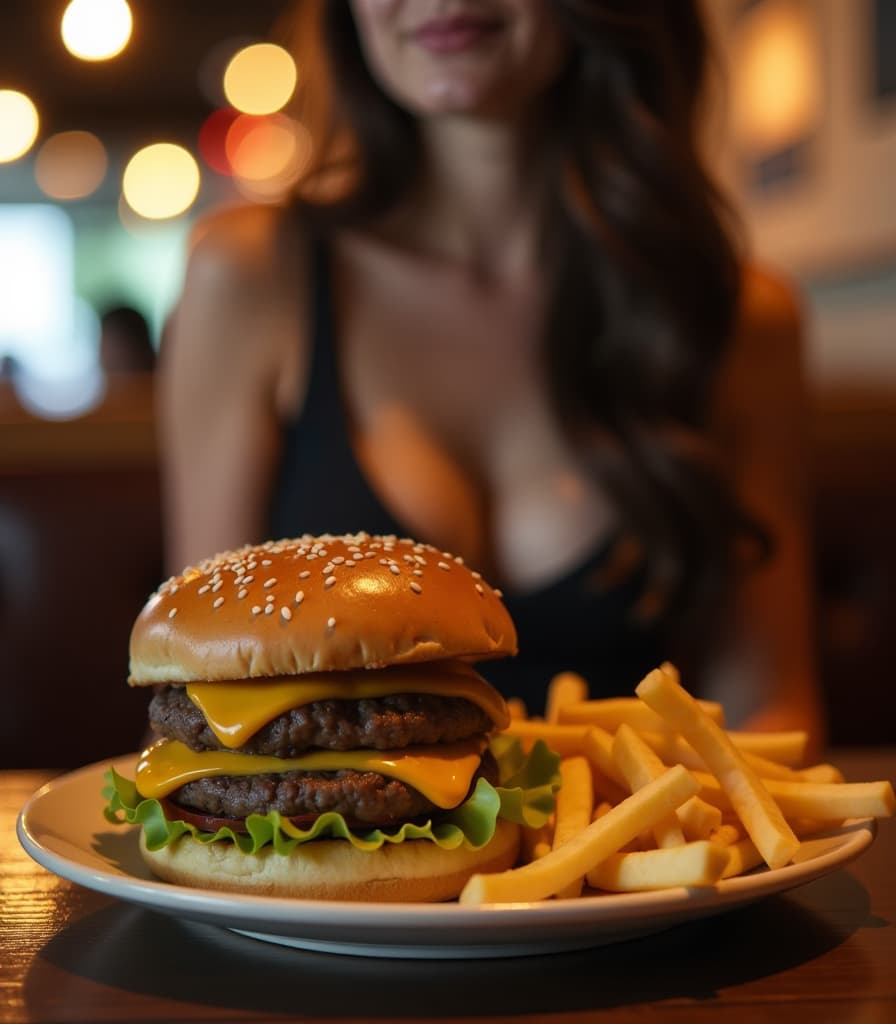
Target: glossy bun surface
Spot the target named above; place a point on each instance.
(317, 604)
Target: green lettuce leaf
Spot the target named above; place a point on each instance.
(525, 795)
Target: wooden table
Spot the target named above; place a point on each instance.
(822, 953)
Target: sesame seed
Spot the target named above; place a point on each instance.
(327, 569)
(268, 609)
(330, 580)
(479, 590)
(476, 575)
(204, 589)
(217, 587)
(266, 561)
(337, 560)
(394, 570)
(370, 554)
(417, 572)
(458, 559)
(445, 566)
(350, 563)
(416, 587)
(300, 596)
(252, 565)
(218, 602)
(270, 598)
(172, 613)
(248, 579)
(304, 574)
(256, 609)
(499, 593)
(286, 613)
(331, 622)
(272, 582)
(242, 593)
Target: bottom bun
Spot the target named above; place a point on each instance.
(332, 869)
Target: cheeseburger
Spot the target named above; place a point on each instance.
(320, 732)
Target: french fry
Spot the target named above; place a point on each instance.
(565, 740)
(574, 804)
(597, 746)
(833, 801)
(604, 807)
(552, 873)
(821, 773)
(640, 765)
(536, 842)
(761, 816)
(743, 855)
(784, 747)
(606, 789)
(821, 801)
(611, 712)
(563, 689)
(726, 834)
(517, 708)
(698, 818)
(692, 864)
(788, 746)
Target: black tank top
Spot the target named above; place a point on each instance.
(583, 621)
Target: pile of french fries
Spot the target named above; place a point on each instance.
(656, 793)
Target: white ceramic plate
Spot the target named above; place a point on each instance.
(62, 827)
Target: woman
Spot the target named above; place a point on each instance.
(505, 317)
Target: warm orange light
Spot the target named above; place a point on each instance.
(160, 181)
(260, 79)
(267, 155)
(96, 29)
(71, 165)
(212, 139)
(777, 93)
(18, 124)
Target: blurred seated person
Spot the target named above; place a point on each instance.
(125, 342)
(505, 315)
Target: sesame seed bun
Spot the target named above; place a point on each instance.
(317, 604)
(331, 869)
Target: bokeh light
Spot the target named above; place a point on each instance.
(260, 79)
(18, 124)
(160, 181)
(71, 165)
(778, 85)
(96, 29)
(213, 139)
(267, 155)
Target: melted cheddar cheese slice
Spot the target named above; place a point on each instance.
(443, 774)
(236, 711)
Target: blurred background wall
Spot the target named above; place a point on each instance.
(94, 214)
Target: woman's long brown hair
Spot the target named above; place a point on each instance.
(644, 282)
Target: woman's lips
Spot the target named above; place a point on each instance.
(453, 35)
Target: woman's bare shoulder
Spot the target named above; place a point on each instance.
(245, 245)
(765, 357)
(770, 308)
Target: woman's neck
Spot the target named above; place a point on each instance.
(480, 198)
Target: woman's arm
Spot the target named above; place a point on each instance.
(229, 348)
(769, 672)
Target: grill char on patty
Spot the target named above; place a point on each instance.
(378, 723)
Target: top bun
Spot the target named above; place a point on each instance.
(317, 604)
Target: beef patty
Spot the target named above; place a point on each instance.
(380, 723)
(362, 798)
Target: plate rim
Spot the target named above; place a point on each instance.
(450, 920)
